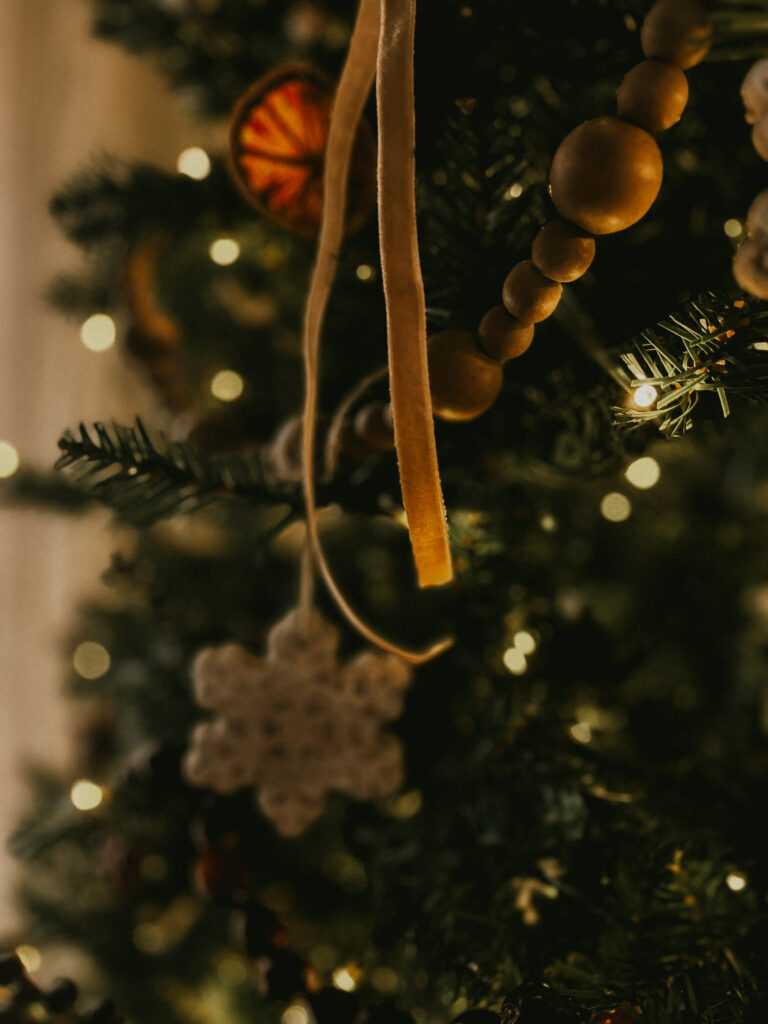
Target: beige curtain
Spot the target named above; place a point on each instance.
(63, 99)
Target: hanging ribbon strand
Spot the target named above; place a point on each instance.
(382, 40)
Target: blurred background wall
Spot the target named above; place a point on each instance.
(64, 98)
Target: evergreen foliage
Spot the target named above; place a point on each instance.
(585, 816)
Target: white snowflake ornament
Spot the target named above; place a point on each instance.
(297, 723)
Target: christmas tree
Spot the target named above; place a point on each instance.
(556, 817)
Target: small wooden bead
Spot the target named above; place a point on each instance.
(528, 295)
(464, 381)
(501, 336)
(750, 268)
(562, 252)
(754, 91)
(676, 30)
(373, 425)
(605, 175)
(653, 94)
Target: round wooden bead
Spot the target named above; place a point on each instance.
(562, 251)
(501, 336)
(676, 30)
(605, 175)
(653, 94)
(528, 295)
(750, 267)
(464, 381)
(373, 425)
(754, 90)
(757, 218)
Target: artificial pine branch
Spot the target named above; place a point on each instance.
(713, 344)
(124, 469)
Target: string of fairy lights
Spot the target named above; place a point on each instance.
(91, 659)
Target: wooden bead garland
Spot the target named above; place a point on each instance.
(605, 176)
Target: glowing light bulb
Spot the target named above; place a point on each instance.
(224, 251)
(364, 272)
(615, 507)
(643, 473)
(194, 162)
(524, 642)
(98, 332)
(515, 661)
(295, 1014)
(86, 795)
(91, 660)
(736, 882)
(346, 978)
(227, 386)
(548, 523)
(581, 732)
(732, 227)
(9, 459)
(644, 396)
(514, 191)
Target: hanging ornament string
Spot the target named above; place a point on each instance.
(354, 87)
(404, 294)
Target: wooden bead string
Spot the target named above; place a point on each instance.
(604, 177)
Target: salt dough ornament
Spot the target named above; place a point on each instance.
(277, 141)
(297, 723)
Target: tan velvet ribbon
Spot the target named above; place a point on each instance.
(383, 32)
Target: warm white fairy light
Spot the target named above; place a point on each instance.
(615, 507)
(91, 660)
(194, 162)
(548, 523)
(86, 795)
(581, 732)
(644, 396)
(736, 881)
(346, 978)
(524, 642)
(643, 473)
(9, 459)
(514, 191)
(295, 1014)
(515, 661)
(224, 251)
(733, 227)
(227, 386)
(98, 332)
(364, 272)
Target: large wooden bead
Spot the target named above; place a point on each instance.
(653, 94)
(528, 295)
(754, 91)
(750, 267)
(463, 380)
(605, 175)
(676, 30)
(501, 336)
(562, 251)
(373, 425)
